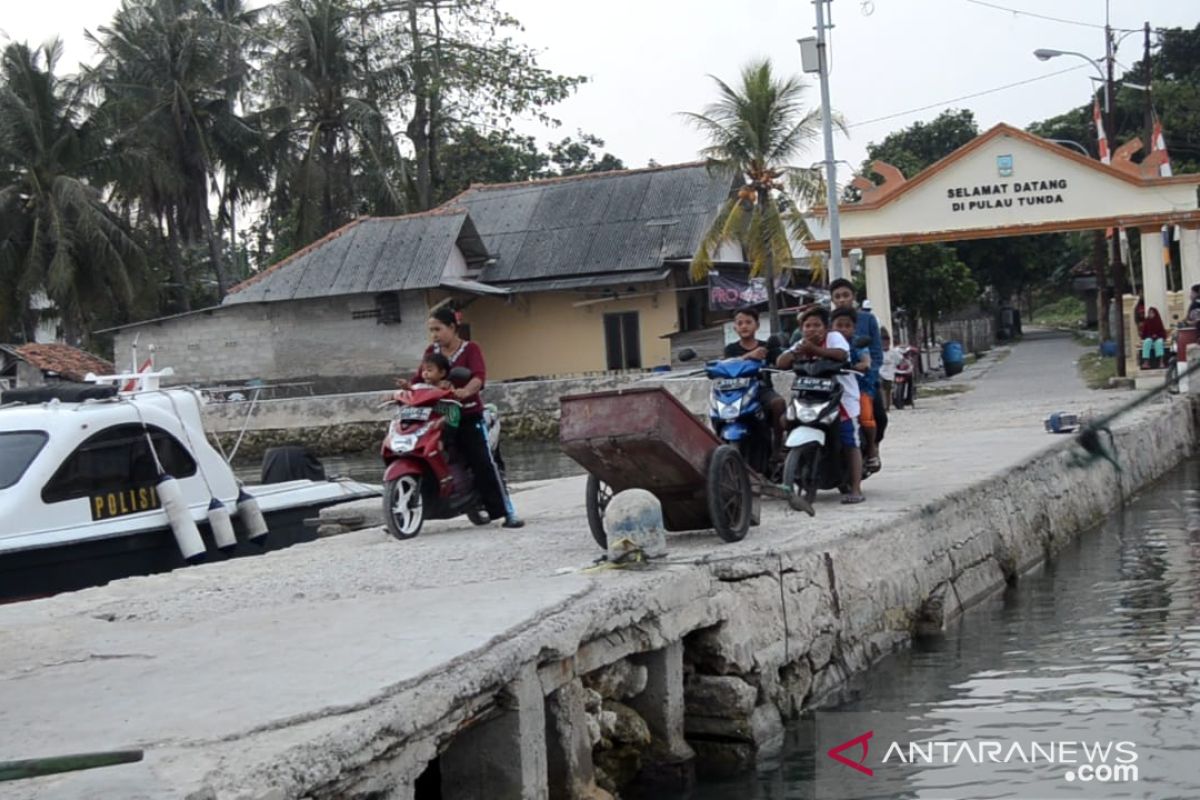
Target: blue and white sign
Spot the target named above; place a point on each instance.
(1004, 165)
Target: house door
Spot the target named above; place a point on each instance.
(622, 340)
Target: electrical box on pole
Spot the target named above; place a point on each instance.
(810, 55)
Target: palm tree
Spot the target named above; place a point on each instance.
(754, 130)
(57, 236)
(165, 79)
(341, 159)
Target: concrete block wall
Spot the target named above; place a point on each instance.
(315, 340)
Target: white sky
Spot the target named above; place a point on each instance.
(647, 59)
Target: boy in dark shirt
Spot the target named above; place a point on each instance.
(749, 346)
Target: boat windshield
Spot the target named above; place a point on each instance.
(17, 451)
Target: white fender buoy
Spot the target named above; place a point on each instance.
(221, 525)
(187, 535)
(251, 517)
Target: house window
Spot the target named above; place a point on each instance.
(622, 340)
(118, 459)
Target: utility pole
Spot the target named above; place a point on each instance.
(831, 193)
(1110, 131)
(1149, 121)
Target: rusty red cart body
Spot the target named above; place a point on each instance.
(644, 438)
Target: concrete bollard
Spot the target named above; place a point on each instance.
(633, 519)
(1193, 365)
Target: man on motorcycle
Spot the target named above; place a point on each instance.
(820, 342)
(749, 346)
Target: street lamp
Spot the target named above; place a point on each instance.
(1045, 54)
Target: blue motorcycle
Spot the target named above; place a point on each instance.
(737, 412)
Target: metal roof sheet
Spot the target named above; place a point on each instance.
(370, 255)
(591, 226)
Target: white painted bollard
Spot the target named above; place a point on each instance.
(633, 521)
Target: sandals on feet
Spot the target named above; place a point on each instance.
(852, 499)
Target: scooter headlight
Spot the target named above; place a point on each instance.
(806, 414)
(729, 410)
(406, 442)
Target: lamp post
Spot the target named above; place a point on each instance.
(1106, 76)
(813, 57)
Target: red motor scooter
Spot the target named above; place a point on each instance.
(424, 478)
(904, 387)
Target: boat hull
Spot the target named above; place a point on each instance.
(41, 572)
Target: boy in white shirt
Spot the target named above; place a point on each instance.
(892, 356)
(820, 342)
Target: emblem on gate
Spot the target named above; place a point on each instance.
(1004, 165)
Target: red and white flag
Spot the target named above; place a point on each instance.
(1157, 142)
(1105, 157)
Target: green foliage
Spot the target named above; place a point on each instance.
(57, 236)
(916, 147)
(1064, 312)
(928, 280)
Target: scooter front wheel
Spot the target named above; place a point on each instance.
(403, 506)
(478, 516)
(799, 473)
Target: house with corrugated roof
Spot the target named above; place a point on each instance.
(567, 275)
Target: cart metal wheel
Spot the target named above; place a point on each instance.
(728, 493)
(596, 500)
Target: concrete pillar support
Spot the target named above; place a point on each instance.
(660, 704)
(505, 757)
(1189, 253)
(878, 290)
(1154, 274)
(568, 747)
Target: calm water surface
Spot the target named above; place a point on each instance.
(1109, 631)
(526, 460)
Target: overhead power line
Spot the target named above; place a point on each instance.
(1042, 16)
(942, 103)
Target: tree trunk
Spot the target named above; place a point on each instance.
(772, 302)
(214, 253)
(1098, 258)
(434, 134)
(418, 126)
(182, 299)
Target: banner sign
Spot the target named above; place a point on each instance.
(727, 292)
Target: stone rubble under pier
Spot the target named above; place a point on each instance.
(486, 662)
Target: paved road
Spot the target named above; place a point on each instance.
(212, 653)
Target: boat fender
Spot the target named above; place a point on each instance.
(187, 535)
(251, 517)
(221, 525)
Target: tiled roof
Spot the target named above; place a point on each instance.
(69, 362)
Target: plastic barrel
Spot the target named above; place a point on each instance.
(1108, 348)
(952, 358)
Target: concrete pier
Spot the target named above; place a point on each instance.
(362, 667)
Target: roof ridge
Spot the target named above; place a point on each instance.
(612, 173)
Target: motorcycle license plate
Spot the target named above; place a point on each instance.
(807, 384)
(731, 383)
(409, 414)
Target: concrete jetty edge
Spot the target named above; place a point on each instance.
(791, 625)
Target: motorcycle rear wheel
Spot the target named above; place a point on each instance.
(403, 506)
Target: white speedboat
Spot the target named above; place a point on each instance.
(116, 477)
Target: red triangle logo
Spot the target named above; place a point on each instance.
(861, 740)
